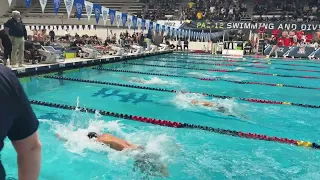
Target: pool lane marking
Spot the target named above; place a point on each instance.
(234, 65)
(207, 79)
(225, 71)
(255, 61)
(175, 91)
(173, 124)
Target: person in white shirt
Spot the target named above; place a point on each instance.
(223, 10)
(230, 11)
(314, 9)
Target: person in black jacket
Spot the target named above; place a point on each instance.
(17, 33)
(5, 46)
(52, 35)
(19, 123)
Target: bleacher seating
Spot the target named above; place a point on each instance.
(287, 10)
(215, 10)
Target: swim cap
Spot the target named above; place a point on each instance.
(92, 135)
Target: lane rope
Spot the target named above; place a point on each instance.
(206, 79)
(255, 61)
(175, 91)
(173, 124)
(234, 65)
(224, 70)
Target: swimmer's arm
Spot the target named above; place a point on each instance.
(61, 138)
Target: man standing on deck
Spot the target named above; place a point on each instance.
(19, 123)
(17, 31)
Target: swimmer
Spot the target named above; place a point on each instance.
(134, 80)
(219, 108)
(145, 162)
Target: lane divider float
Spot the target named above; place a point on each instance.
(225, 70)
(175, 91)
(173, 124)
(206, 79)
(234, 65)
(255, 61)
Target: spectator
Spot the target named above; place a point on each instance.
(17, 31)
(19, 123)
(5, 46)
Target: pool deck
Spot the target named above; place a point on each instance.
(37, 69)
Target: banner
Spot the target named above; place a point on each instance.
(143, 24)
(118, 18)
(147, 24)
(134, 22)
(105, 13)
(56, 4)
(157, 28)
(28, 3)
(89, 7)
(207, 25)
(97, 12)
(43, 4)
(150, 26)
(112, 14)
(9, 2)
(139, 23)
(300, 52)
(129, 21)
(69, 5)
(79, 6)
(124, 19)
(317, 54)
(163, 28)
(281, 50)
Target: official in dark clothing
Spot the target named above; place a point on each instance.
(19, 123)
(17, 33)
(52, 35)
(6, 46)
(186, 44)
(231, 39)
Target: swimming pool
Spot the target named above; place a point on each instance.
(189, 153)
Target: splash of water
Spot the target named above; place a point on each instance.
(198, 74)
(184, 101)
(239, 68)
(154, 81)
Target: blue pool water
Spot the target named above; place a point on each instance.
(189, 154)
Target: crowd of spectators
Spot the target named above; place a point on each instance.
(160, 9)
(215, 10)
(287, 10)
